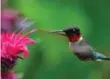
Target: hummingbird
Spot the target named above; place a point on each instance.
(79, 46)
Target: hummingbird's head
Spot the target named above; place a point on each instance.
(72, 33)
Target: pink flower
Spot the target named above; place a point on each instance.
(8, 19)
(12, 20)
(8, 75)
(13, 44)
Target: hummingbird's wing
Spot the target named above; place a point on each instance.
(82, 49)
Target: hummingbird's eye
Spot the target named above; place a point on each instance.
(74, 30)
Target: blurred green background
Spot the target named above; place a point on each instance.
(51, 57)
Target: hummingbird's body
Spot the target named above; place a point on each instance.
(79, 46)
(81, 50)
(85, 52)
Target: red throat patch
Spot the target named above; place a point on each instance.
(74, 37)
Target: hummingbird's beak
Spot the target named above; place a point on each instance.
(59, 32)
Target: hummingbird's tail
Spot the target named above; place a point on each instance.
(106, 58)
(99, 57)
